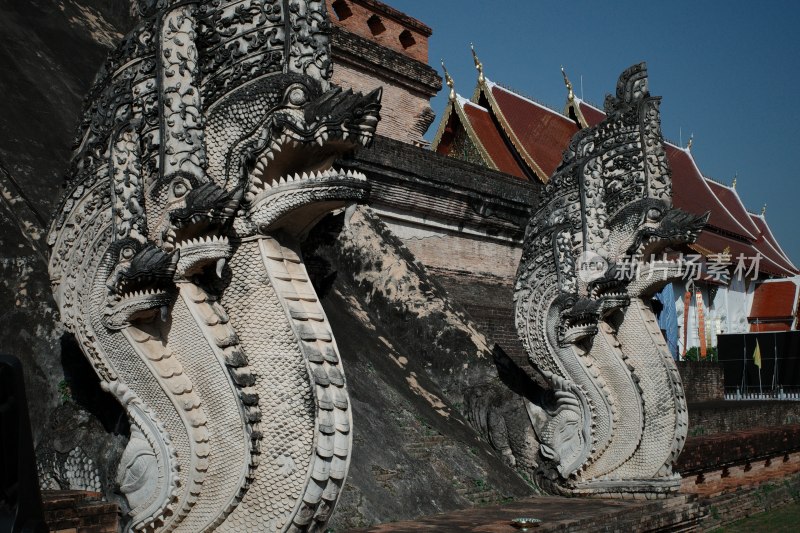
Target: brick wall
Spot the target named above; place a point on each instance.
(406, 114)
(712, 452)
(447, 250)
(383, 25)
(489, 302)
(75, 511)
(374, 45)
(702, 381)
(707, 418)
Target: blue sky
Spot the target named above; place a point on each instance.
(727, 72)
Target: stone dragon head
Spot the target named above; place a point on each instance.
(609, 203)
(212, 132)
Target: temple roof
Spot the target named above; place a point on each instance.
(538, 133)
(492, 141)
(733, 204)
(768, 246)
(774, 305)
(523, 138)
(477, 124)
(692, 193)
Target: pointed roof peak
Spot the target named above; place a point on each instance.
(570, 92)
(449, 80)
(478, 64)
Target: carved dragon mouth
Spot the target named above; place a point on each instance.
(578, 321)
(676, 227)
(140, 284)
(141, 304)
(578, 328)
(296, 160)
(208, 208)
(200, 252)
(610, 292)
(295, 175)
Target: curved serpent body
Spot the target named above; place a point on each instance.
(617, 416)
(204, 157)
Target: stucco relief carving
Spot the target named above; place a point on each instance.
(616, 417)
(205, 155)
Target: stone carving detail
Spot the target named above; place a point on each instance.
(616, 417)
(205, 155)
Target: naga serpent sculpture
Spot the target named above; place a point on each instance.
(616, 419)
(205, 155)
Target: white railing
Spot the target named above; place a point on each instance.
(733, 393)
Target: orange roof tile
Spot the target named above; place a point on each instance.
(691, 192)
(768, 246)
(486, 130)
(773, 300)
(538, 133)
(592, 115)
(731, 201)
(711, 242)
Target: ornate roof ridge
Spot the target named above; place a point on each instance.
(688, 153)
(534, 101)
(772, 242)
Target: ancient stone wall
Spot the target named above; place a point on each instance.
(383, 25)
(702, 381)
(708, 418)
(406, 114)
(373, 45)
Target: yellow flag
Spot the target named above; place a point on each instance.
(757, 355)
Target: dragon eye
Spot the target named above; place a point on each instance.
(126, 253)
(179, 189)
(653, 214)
(297, 96)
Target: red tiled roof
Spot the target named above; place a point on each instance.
(541, 133)
(492, 141)
(731, 201)
(592, 115)
(715, 243)
(691, 192)
(768, 246)
(773, 300)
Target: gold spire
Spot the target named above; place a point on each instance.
(764, 210)
(570, 93)
(733, 185)
(449, 82)
(478, 64)
(691, 140)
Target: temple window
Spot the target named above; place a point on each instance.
(407, 39)
(341, 9)
(376, 25)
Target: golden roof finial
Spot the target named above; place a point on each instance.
(478, 64)
(570, 93)
(764, 210)
(691, 140)
(449, 81)
(733, 185)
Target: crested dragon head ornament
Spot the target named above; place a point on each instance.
(616, 418)
(206, 152)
